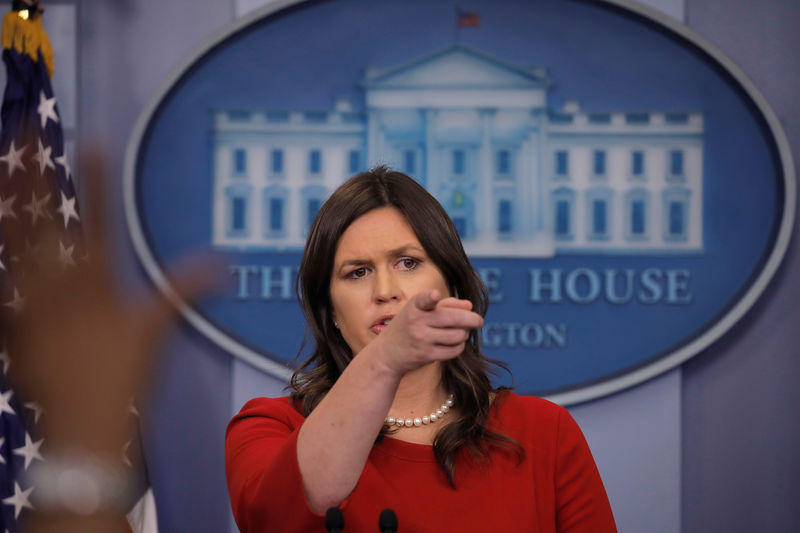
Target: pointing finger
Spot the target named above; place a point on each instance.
(426, 301)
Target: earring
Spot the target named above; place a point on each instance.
(336, 324)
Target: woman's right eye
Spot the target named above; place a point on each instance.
(358, 273)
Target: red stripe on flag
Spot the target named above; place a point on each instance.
(468, 20)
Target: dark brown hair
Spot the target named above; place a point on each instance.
(466, 376)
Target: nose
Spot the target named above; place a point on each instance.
(386, 286)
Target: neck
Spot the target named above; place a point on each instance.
(419, 391)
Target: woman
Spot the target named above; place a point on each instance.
(394, 409)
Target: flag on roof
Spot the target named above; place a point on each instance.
(467, 19)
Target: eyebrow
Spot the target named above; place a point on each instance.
(400, 250)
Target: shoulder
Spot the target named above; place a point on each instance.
(508, 404)
(532, 417)
(279, 411)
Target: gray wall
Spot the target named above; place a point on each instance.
(741, 427)
(738, 429)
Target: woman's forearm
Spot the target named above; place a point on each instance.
(336, 439)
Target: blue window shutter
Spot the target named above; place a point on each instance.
(562, 218)
(503, 162)
(354, 161)
(240, 161)
(562, 163)
(676, 163)
(504, 216)
(676, 218)
(239, 218)
(409, 162)
(313, 208)
(315, 161)
(277, 161)
(637, 163)
(599, 217)
(637, 217)
(458, 161)
(461, 226)
(275, 214)
(599, 162)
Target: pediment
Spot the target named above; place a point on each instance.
(455, 66)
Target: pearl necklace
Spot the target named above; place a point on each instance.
(433, 417)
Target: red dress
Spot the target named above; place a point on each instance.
(556, 488)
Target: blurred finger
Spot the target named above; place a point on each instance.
(426, 301)
(93, 168)
(194, 278)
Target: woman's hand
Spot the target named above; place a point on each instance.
(427, 329)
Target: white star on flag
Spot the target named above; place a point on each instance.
(65, 255)
(15, 304)
(37, 410)
(125, 458)
(46, 109)
(30, 451)
(2, 459)
(2, 265)
(7, 207)
(5, 407)
(37, 207)
(5, 359)
(62, 160)
(67, 209)
(43, 157)
(19, 500)
(13, 159)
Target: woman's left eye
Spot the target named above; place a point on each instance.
(409, 263)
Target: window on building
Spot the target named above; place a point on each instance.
(599, 217)
(562, 163)
(238, 214)
(276, 163)
(637, 163)
(503, 162)
(313, 208)
(276, 214)
(461, 226)
(315, 161)
(676, 163)
(458, 161)
(598, 213)
(240, 161)
(354, 161)
(563, 218)
(504, 217)
(637, 218)
(563, 201)
(676, 228)
(599, 162)
(636, 213)
(676, 214)
(409, 162)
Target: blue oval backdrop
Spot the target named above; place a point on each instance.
(622, 189)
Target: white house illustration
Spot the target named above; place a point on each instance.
(517, 177)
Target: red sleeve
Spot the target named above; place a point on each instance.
(264, 482)
(581, 502)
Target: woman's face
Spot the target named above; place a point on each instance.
(379, 264)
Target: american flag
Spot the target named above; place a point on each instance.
(468, 19)
(36, 190)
